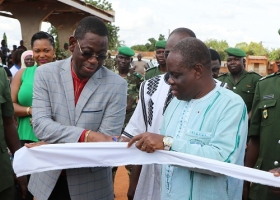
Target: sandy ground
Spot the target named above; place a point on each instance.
(121, 184)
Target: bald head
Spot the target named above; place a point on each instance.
(193, 51)
(177, 35)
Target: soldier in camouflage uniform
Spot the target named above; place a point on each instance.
(64, 53)
(110, 63)
(134, 79)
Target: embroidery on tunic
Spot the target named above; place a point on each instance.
(150, 111)
(153, 85)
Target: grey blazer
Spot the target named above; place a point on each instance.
(56, 119)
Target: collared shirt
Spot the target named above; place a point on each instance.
(78, 88)
(245, 86)
(78, 85)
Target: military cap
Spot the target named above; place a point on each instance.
(235, 52)
(160, 44)
(126, 51)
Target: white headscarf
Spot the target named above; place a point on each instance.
(23, 55)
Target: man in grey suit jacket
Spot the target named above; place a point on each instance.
(78, 100)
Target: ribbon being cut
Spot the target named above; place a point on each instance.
(77, 155)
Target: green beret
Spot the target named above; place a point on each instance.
(161, 44)
(126, 51)
(235, 52)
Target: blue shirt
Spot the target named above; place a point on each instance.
(214, 126)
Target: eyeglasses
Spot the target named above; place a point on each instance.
(166, 53)
(87, 55)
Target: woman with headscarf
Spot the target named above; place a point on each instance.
(27, 59)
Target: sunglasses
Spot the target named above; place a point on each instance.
(88, 55)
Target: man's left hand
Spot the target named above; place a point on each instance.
(148, 142)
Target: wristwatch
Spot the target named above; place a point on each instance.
(167, 142)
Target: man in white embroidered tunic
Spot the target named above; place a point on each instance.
(204, 120)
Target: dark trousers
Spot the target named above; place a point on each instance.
(8, 194)
(60, 191)
(29, 196)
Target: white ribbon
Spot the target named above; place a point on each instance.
(77, 155)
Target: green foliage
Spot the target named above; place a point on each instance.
(219, 46)
(149, 46)
(101, 4)
(113, 30)
(216, 44)
(114, 42)
(139, 47)
(274, 54)
(152, 45)
(5, 38)
(254, 48)
(52, 31)
(223, 54)
(161, 37)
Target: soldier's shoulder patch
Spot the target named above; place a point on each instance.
(151, 69)
(269, 76)
(138, 75)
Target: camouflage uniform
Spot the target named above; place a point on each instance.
(110, 63)
(63, 54)
(134, 80)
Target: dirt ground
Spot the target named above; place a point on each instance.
(121, 184)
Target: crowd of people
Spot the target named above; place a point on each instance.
(181, 105)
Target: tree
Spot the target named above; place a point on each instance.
(149, 46)
(161, 37)
(219, 46)
(254, 48)
(139, 47)
(274, 54)
(152, 45)
(243, 46)
(52, 31)
(103, 5)
(5, 38)
(113, 30)
(216, 45)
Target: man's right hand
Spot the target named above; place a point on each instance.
(98, 137)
